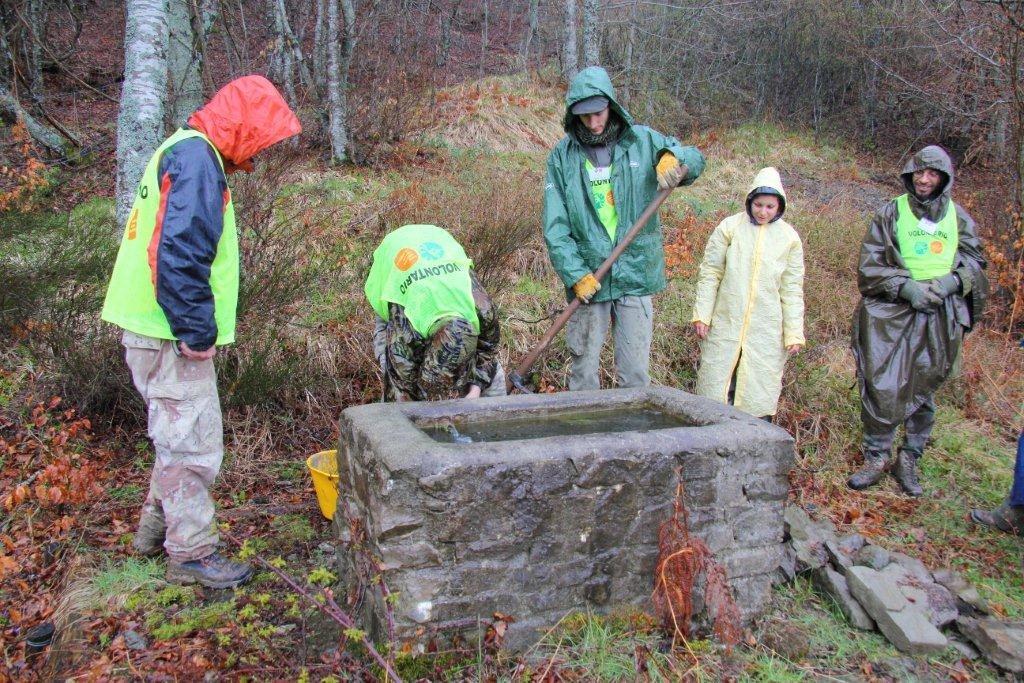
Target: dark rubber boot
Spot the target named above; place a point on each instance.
(870, 473)
(213, 571)
(905, 472)
(1006, 517)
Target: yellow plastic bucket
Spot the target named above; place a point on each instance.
(324, 468)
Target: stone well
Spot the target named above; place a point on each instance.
(536, 526)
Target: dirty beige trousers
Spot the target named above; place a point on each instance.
(632, 318)
(188, 438)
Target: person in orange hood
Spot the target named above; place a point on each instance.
(174, 292)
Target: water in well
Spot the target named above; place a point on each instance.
(620, 419)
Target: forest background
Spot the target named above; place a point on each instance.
(429, 111)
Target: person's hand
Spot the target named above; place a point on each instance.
(586, 288)
(921, 298)
(793, 349)
(196, 355)
(701, 329)
(946, 285)
(670, 173)
(474, 391)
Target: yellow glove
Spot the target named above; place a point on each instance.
(670, 173)
(586, 288)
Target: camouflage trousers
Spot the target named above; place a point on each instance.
(188, 438)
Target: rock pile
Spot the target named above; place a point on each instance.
(917, 610)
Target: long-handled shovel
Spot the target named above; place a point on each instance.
(515, 378)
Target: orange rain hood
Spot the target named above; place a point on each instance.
(245, 117)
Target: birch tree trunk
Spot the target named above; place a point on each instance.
(140, 121)
(186, 47)
(339, 61)
(531, 32)
(591, 33)
(570, 55)
(483, 34)
(293, 46)
(628, 65)
(11, 109)
(36, 20)
(446, 33)
(320, 43)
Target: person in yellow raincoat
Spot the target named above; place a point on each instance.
(749, 308)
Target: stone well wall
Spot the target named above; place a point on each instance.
(537, 528)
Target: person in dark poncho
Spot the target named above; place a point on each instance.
(923, 286)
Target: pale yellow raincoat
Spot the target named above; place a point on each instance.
(750, 294)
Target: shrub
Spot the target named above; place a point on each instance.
(56, 268)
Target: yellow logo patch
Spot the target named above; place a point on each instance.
(133, 224)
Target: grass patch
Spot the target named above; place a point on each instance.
(499, 113)
(110, 587)
(126, 493)
(606, 648)
(834, 648)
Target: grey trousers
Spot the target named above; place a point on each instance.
(917, 428)
(632, 319)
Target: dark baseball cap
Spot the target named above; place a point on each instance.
(590, 105)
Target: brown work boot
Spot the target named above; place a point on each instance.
(212, 571)
(870, 473)
(149, 538)
(1006, 517)
(905, 472)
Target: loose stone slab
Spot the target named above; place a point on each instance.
(874, 591)
(1000, 642)
(874, 556)
(907, 627)
(809, 539)
(833, 584)
(934, 599)
(533, 523)
(969, 601)
(913, 565)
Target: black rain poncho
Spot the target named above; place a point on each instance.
(904, 355)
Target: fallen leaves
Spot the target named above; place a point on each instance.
(52, 473)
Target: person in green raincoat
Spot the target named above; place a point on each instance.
(600, 178)
(923, 286)
(749, 307)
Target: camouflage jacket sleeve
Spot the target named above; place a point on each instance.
(405, 350)
(486, 363)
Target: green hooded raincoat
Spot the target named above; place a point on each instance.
(577, 241)
(904, 355)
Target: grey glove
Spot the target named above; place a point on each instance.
(920, 297)
(945, 286)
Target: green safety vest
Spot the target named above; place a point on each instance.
(131, 296)
(927, 254)
(604, 199)
(425, 271)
